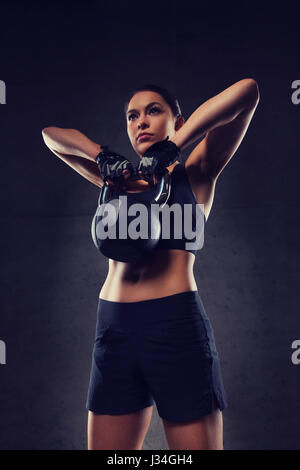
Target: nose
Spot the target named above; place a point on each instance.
(142, 122)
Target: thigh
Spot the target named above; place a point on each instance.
(117, 386)
(182, 370)
(116, 432)
(205, 433)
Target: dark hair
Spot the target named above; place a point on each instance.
(167, 96)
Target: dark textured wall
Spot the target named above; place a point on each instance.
(71, 65)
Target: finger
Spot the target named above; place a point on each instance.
(126, 174)
(150, 180)
(113, 182)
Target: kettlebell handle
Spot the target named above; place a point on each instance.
(162, 193)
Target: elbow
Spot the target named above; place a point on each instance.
(252, 90)
(44, 131)
(45, 136)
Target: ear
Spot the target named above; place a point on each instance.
(179, 123)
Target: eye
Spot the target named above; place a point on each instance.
(155, 108)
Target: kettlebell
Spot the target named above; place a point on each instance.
(116, 209)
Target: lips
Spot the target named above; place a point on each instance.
(144, 135)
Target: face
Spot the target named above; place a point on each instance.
(156, 119)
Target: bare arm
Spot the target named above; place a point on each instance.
(217, 111)
(75, 149)
(225, 119)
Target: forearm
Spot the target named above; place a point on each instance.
(70, 142)
(86, 168)
(217, 111)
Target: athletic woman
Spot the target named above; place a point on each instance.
(154, 341)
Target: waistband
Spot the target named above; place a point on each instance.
(183, 305)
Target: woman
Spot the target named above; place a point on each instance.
(153, 338)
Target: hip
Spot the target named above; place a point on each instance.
(180, 317)
(142, 292)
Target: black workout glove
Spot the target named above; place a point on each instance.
(111, 165)
(158, 157)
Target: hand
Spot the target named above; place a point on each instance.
(157, 158)
(114, 168)
(145, 171)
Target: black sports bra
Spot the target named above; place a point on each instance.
(185, 222)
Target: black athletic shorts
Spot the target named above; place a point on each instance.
(160, 350)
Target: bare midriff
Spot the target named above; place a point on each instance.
(168, 272)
